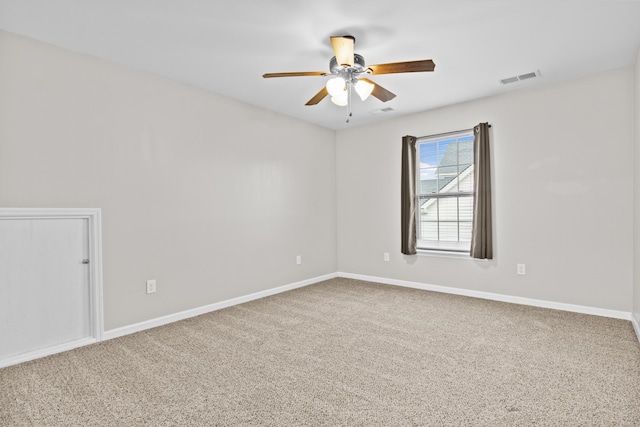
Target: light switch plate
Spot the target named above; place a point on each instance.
(151, 286)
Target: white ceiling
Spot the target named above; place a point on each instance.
(226, 46)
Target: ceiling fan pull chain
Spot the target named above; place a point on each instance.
(349, 101)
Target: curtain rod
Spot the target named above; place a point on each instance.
(446, 133)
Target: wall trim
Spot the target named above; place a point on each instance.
(495, 297)
(159, 321)
(636, 326)
(47, 351)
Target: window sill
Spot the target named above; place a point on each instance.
(443, 254)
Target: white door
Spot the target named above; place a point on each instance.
(45, 293)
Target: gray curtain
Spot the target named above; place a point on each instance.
(482, 233)
(408, 192)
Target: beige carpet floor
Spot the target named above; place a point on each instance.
(343, 353)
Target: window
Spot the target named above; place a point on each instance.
(445, 191)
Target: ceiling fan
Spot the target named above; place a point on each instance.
(349, 71)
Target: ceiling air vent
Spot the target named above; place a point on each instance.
(381, 111)
(509, 80)
(520, 77)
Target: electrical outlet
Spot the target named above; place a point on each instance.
(151, 286)
(386, 256)
(299, 259)
(521, 270)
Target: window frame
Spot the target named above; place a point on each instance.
(443, 246)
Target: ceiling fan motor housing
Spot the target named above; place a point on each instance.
(358, 65)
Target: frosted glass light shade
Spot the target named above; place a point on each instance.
(364, 89)
(341, 99)
(336, 86)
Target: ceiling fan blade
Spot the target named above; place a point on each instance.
(379, 92)
(343, 48)
(295, 74)
(318, 96)
(403, 67)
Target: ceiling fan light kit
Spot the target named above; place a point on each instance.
(337, 88)
(348, 71)
(364, 89)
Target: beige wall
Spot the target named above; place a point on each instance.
(636, 122)
(563, 185)
(211, 197)
(214, 198)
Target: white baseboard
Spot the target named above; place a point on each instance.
(495, 297)
(36, 354)
(152, 323)
(159, 321)
(636, 326)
